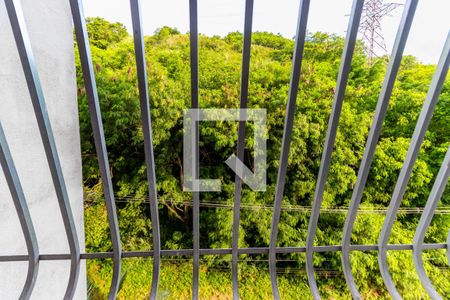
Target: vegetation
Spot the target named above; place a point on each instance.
(220, 63)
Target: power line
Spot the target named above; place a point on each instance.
(444, 210)
(293, 271)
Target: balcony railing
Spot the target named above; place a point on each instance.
(34, 86)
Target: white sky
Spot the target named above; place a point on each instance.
(426, 39)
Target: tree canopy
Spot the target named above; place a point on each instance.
(167, 55)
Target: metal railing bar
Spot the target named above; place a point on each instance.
(26, 223)
(425, 220)
(139, 47)
(374, 134)
(344, 70)
(100, 255)
(223, 251)
(99, 138)
(405, 173)
(23, 44)
(287, 132)
(193, 39)
(241, 142)
(448, 248)
(23, 257)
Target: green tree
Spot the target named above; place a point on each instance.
(219, 69)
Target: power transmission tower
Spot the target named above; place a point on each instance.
(373, 12)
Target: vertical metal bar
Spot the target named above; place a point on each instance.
(20, 203)
(99, 139)
(287, 132)
(448, 248)
(241, 143)
(341, 85)
(374, 134)
(424, 223)
(22, 39)
(148, 139)
(411, 156)
(193, 34)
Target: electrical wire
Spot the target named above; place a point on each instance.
(443, 210)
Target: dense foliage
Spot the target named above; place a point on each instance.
(220, 64)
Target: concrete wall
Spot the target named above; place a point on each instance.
(50, 27)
